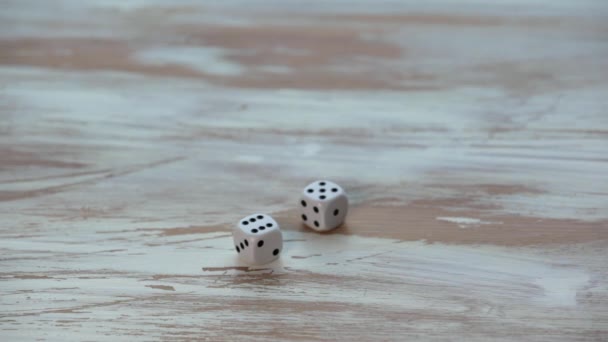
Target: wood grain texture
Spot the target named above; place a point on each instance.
(472, 139)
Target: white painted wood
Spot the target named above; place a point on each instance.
(471, 139)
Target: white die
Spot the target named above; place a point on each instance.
(323, 205)
(258, 239)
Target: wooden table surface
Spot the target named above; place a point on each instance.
(472, 138)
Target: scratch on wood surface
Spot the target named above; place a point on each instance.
(64, 175)
(233, 268)
(31, 276)
(161, 287)
(16, 195)
(304, 257)
(71, 310)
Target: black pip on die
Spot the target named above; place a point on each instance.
(323, 205)
(258, 239)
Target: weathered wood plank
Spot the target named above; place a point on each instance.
(472, 139)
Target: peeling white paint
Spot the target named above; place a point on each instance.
(465, 222)
(210, 60)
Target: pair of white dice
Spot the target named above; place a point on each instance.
(258, 239)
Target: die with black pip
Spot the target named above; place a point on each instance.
(258, 239)
(323, 205)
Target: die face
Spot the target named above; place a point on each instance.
(257, 224)
(258, 242)
(267, 248)
(322, 191)
(335, 212)
(323, 205)
(243, 244)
